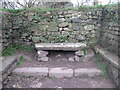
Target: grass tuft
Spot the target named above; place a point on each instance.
(12, 48)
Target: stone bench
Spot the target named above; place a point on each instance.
(43, 47)
(60, 46)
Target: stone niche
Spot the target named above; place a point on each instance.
(43, 49)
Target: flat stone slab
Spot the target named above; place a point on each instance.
(58, 72)
(87, 72)
(61, 72)
(60, 46)
(31, 71)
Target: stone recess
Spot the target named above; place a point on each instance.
(61, 72)
(31, 71)
(87, 72)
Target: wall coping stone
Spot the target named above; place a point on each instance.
(108, 56)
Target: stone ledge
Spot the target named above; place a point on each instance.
(58, 72)
(61, 72)
(34, 71)
(88, 72)
(60, 46)
(108, 56)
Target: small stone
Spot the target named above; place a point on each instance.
(71, 59)
(14, 86)
(60, 29)
(80, 37)
(42, 53)
(69, 15)
(79, 53)
(64, 24)
(61, 16)
(43, 59)
(66, 29)
(83, 17)
(65, 33)
(76, 20)
(77, 58)
(75, 27)
(89, 27)
(62, 19)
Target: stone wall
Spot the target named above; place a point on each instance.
(111, 61)
(84, 25)
(6, 29)
(51, 27)
(109, 36)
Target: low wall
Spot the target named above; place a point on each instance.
(112, 62)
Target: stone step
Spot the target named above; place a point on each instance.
(60, 46)
(87, 72)
(31, 71)
(58, 72)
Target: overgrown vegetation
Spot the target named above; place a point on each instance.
(21, 61)
(53, 78)
(103, 66)
(85, 51)
(91, 7)
(98, 6)
(11, 49)
(12, 10)
(55, 39)
(56, 9)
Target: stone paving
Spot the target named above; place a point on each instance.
(58, 72)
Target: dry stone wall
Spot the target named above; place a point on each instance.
(109, 36)
(52, 26)
(84, 25)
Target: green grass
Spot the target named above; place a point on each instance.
(21, 61)
(11, 49)
(91, 7)
(85, 51)
(55, 39)
(12, 10)
(98, 6)
(57, 9)
(53, 78)
(103, 66)
(51, 9)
